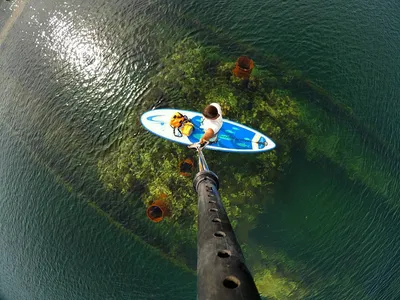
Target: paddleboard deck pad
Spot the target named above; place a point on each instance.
(232, 137)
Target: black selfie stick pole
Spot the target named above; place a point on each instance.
(221, 270)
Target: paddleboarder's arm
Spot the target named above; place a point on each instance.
(207, 135)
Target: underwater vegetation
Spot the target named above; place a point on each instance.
(193, 76)
(142, 167)
(275, 277)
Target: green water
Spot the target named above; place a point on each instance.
(56, 247)
(74, 70)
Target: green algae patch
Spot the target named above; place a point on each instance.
(191, 77)
(276, 276)
(272, 285)
(147, 167)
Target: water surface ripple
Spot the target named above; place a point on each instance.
(72, 71)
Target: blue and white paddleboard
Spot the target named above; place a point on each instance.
(232, 137)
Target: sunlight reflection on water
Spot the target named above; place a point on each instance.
(78, 45)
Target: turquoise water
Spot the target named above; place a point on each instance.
(70, 72)
(54, 246)
(346, 234)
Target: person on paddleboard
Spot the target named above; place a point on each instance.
(212, 123)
